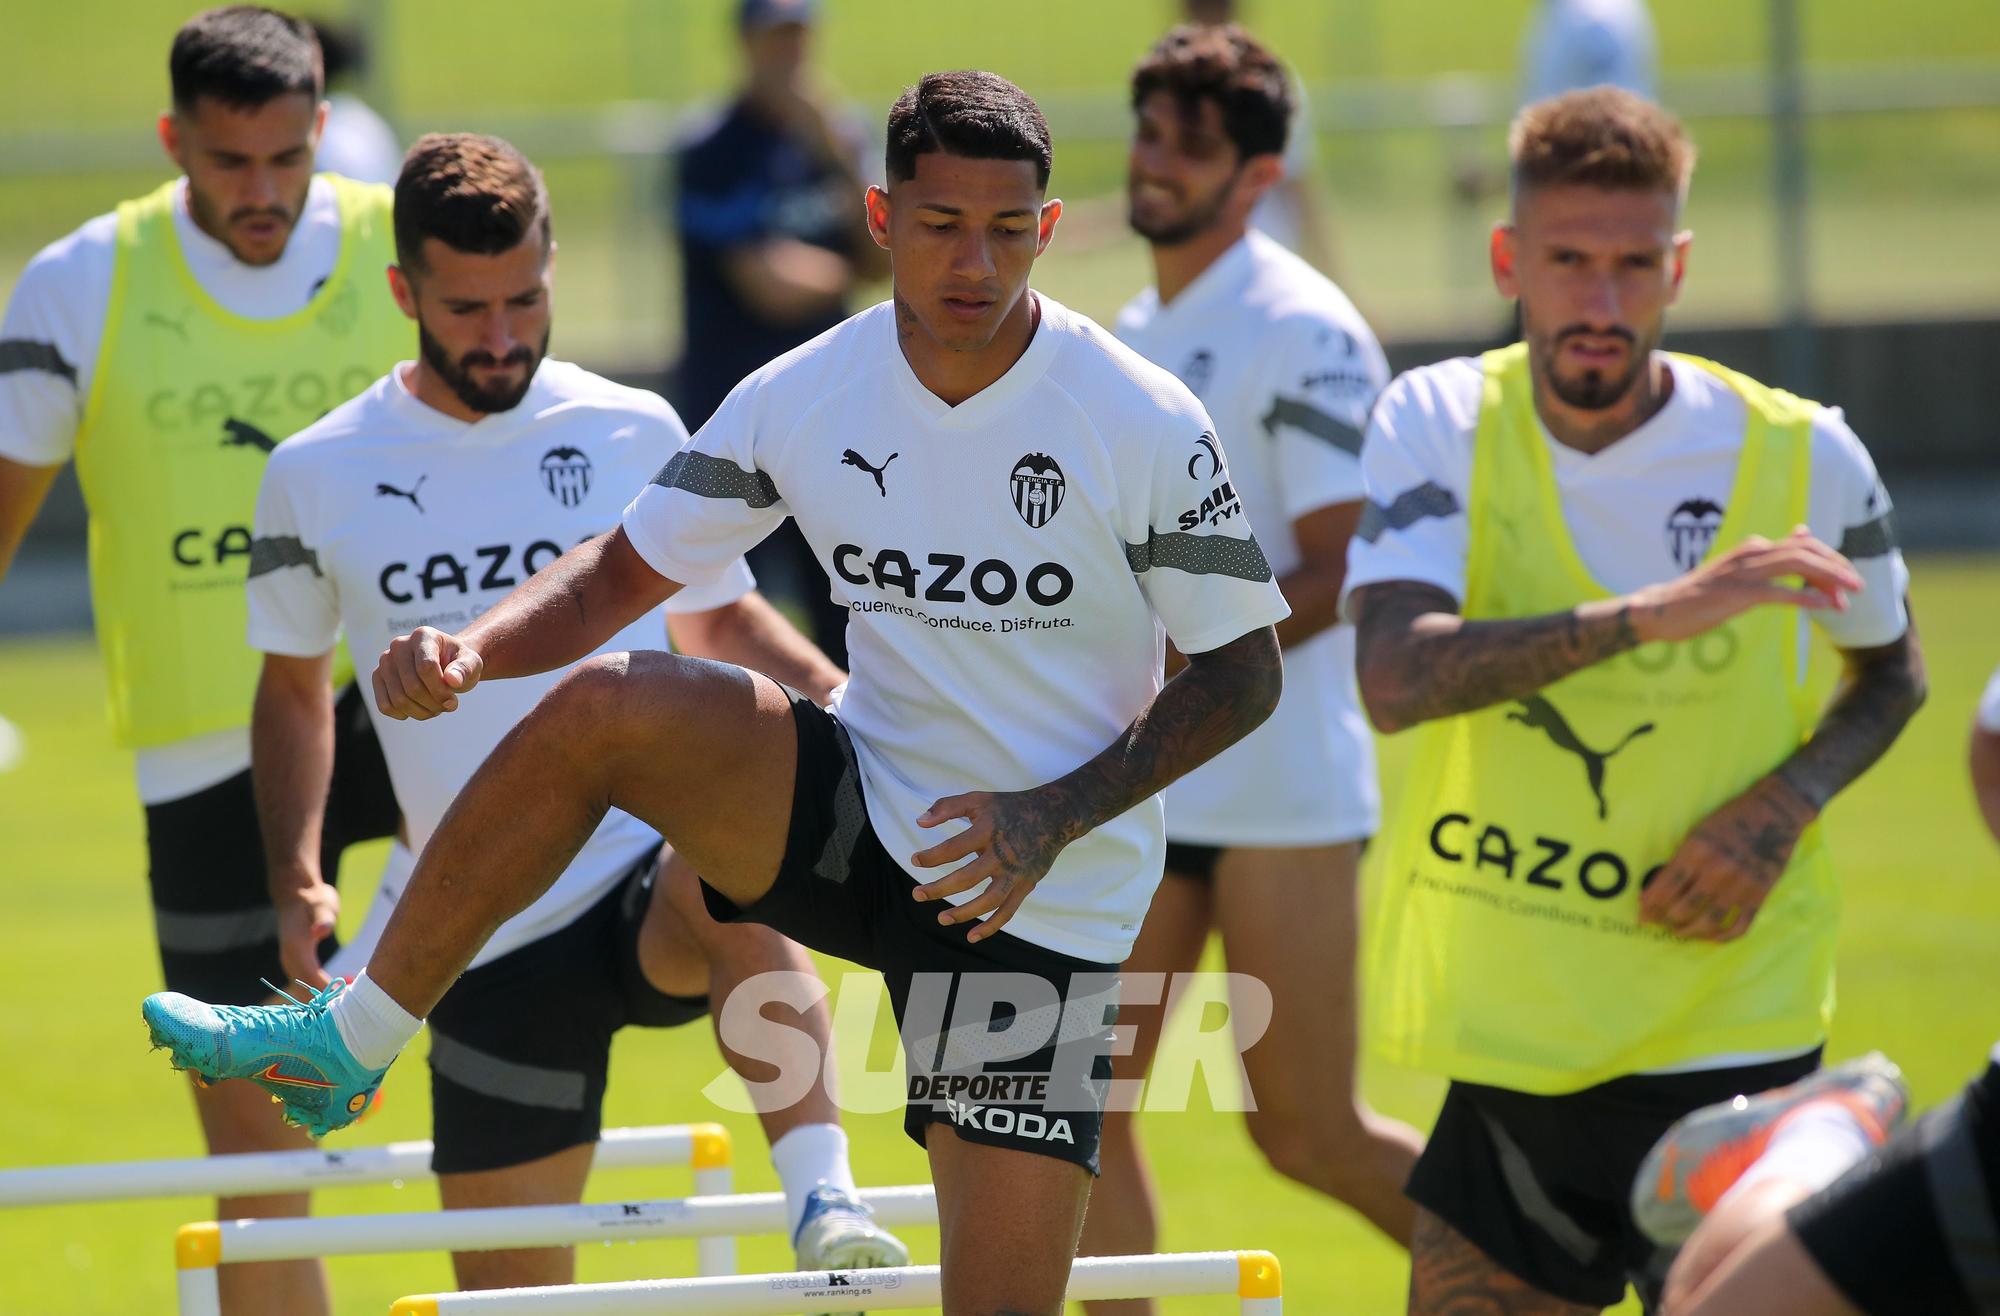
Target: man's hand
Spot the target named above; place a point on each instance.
(1752, 573)
(1013, 840)
(1720, 876)
(306, 917)
(422, 674)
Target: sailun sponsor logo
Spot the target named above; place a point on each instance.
(1038, 486)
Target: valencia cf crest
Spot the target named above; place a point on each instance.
(1691, 530)
(566, 475)
(1038, 488)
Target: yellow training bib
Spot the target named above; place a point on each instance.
(1506, 946)
(187, 400)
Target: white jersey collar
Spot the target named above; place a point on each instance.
(1002, 392)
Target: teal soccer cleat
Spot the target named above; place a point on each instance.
(291, 1051)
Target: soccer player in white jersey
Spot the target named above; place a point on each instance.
(1264, 841)
(422, 502)
(1582, 580)
(166, 347)
(996, 488)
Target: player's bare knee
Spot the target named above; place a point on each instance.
(1318, 1148)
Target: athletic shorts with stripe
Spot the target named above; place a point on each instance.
(1912, 1229)
(1005, 1041)
(217, 930)
(521, 1046)
(1543, 1184)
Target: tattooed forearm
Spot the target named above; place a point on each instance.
(1417, 659)
(1880, 692)
(1221, 697)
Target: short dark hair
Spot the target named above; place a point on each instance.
(471, 192)
(1227, 65)
(244, 56)
(979, 115)
(1603, 137)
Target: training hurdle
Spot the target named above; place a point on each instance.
(705, 1147)
(713, 1220)
(1254, 1278)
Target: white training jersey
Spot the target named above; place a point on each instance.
(1573, 44)
(1641, 511)
(357, 142)
(48, 360)
(1989, 705)
(1287, 369)
(388, 515)
(1007, 565)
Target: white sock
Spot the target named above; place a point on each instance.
(808, 1157)
(375, 1028)
(1815, 1145)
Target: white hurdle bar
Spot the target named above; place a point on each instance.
(713, 1220)
(705, 1147)
(1254, 1278)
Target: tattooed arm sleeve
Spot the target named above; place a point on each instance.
(1222, 696)
(1880, 690)
(1417, 659)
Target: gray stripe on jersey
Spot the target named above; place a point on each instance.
(270, 553)
(33, 354)
(1429, 499)
(1963, 1203)
(206, 934)
(505, 1080)
(716, 477)
(1200, 555)
(1875, 538)
(1306, 417)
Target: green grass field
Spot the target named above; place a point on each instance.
(1902, 202)
(1923, 914)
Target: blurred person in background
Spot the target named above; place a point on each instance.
(168, 347)
(358, 143)
(774, 244)
(1264, 842)
(1573, 44)
(1985, 755)
(1290, 209)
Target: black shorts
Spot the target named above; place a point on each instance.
(1195, 862)
(521, 1046)
(1911, 1230)
(1543, 1185)
(217, 931)
(1005, 1041)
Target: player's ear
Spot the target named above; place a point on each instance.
(319, 124)
(403, 291)
(876, 203)
(1504, 248)
(170, 135)
(1261, 173)
(1683, 243)
(1045, 227)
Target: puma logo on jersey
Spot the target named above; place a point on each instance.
(242, 434)
(855, 459)
(177, 325)
(1542, 715)
(391, 491)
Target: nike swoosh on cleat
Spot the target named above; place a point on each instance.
(271, 1075)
